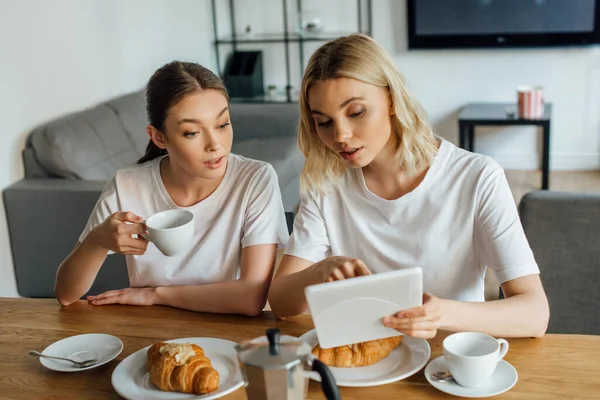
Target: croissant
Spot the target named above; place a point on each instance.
(183, 368)
(359, 354)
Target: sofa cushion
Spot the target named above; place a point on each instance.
(94, 143)
(90, 144)
(131, 112)
(257, 121)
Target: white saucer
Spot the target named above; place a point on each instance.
(80, 348)
(404, 361)
(503, 379)
(131, 379)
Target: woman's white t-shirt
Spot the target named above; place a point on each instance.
(245, 210)
(461, 219)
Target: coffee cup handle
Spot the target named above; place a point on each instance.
(503, 348)
(144, 235)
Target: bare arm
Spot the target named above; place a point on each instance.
(286, 296)
(523, 313)
(247, 295)
(502, 243)
(77, 272)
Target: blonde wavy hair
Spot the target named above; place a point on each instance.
(359, 57)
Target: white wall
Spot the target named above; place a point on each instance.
(446, 80)
(61, 56)
(443, 81)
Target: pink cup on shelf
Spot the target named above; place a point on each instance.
(530, 102)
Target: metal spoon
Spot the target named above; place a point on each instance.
(442, 376)
(79, 364)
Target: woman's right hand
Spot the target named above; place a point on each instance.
(115, 234)
(336, 268)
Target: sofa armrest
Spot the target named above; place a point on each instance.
(45, 218)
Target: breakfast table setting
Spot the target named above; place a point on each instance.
(241, 348)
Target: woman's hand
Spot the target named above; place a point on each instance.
(131, 296)
(421, 321)
(115, 234)
(336, 268)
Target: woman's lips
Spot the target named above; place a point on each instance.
(214, 164)
(351, 154)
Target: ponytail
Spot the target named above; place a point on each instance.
(152, 152)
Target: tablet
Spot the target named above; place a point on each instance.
(350, 311)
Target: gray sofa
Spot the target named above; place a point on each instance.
(563, 230)
(67, 162)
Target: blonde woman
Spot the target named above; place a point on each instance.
(380, 191)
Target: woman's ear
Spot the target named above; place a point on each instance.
(156, 136)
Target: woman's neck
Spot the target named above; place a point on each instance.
(386, 178)
(184, 188)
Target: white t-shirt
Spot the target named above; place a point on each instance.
(461, 219)
(244, 210)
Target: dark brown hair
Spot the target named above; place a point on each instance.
(167, 87)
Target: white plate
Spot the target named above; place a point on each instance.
(404, 361)
(131, 379)
(503, 379)
(80, 348)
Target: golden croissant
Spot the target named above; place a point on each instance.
(359, 354)
(176, 367)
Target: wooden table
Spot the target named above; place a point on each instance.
(556, 366)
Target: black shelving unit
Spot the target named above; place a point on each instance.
(286, 38)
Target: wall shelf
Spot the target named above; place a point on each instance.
(285, 38)
(280, 37)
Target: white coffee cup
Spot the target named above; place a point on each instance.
(472, 357)
(171, 231)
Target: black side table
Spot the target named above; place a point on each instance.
(489, 114)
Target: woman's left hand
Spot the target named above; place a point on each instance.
(129, 296)
(422, 322)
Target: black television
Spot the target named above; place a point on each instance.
(439, 24)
